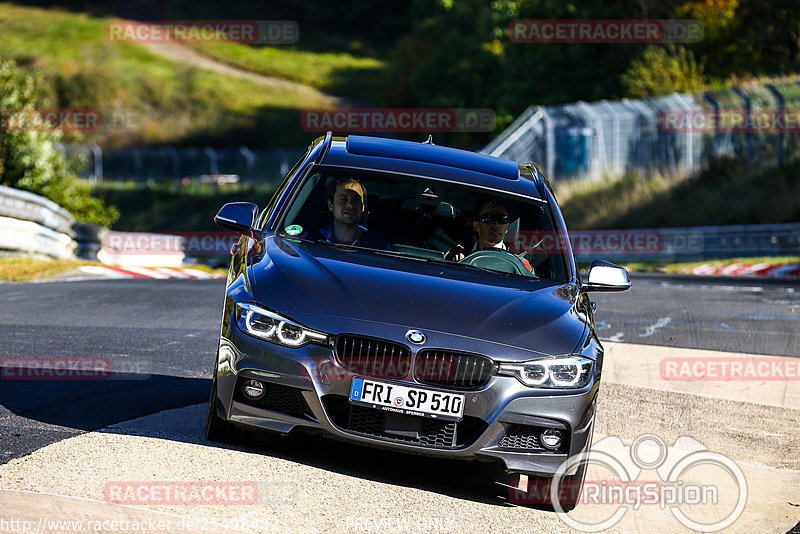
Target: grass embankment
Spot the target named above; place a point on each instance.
(24, 268)
(727, 192)
(339, 73)
(165, 208)
(147, 99)
(27, 269)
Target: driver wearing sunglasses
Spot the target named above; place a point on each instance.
(490, 225)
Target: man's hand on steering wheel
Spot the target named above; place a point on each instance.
(455, 254)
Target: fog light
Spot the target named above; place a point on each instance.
(550, 439)
(253, 389)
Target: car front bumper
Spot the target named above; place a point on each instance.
(306, 388)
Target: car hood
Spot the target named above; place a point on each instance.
(298, 278)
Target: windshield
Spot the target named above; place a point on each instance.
(429, 219)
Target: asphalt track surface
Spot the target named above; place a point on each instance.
(747, 315)
(159, 338)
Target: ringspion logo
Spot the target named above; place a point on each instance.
(703, 490)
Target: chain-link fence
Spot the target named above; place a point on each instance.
(175, 164)
(675, 134)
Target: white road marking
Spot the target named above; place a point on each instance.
(708, 287)
(149, 273)
(661, 323)
(144, 272)
(102, 271)
(759, 432)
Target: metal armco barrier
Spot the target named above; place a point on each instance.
(90, 239)
(688, 244)
(31, 224)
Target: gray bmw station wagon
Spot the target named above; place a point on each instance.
(413, 297)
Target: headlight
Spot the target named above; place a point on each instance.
(267, 325)
(565, 372)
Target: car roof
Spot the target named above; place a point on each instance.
(427, 159)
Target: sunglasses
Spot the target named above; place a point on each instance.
(493, 218)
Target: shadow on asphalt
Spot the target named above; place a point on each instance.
(65, 408)
(463, 479)
(92, 404)
(36, 413)
(473, 480)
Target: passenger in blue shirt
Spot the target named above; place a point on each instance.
(345, 199)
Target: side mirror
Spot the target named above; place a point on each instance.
(605, 276)
(239, 217)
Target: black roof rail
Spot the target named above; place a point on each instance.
(537, 177)
(326, 146)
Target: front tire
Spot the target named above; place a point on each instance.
(218, 429)
(537, 491)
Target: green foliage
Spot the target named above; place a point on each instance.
(404, 53)
(746, 37)
(717, 16)
(164, 207)
(147, 99)
(664, 70)
(727, 192)
(338, 73)
(29, 159)
(461, 55)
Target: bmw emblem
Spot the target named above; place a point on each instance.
(416, 337)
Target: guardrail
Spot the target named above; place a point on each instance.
(687, 244)
(31, 224)
(34, 225)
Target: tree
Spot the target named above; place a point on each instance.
(29, 158)
(663, 70)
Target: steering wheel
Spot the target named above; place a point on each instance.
(497, 259)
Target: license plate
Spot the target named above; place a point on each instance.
(407, 400)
